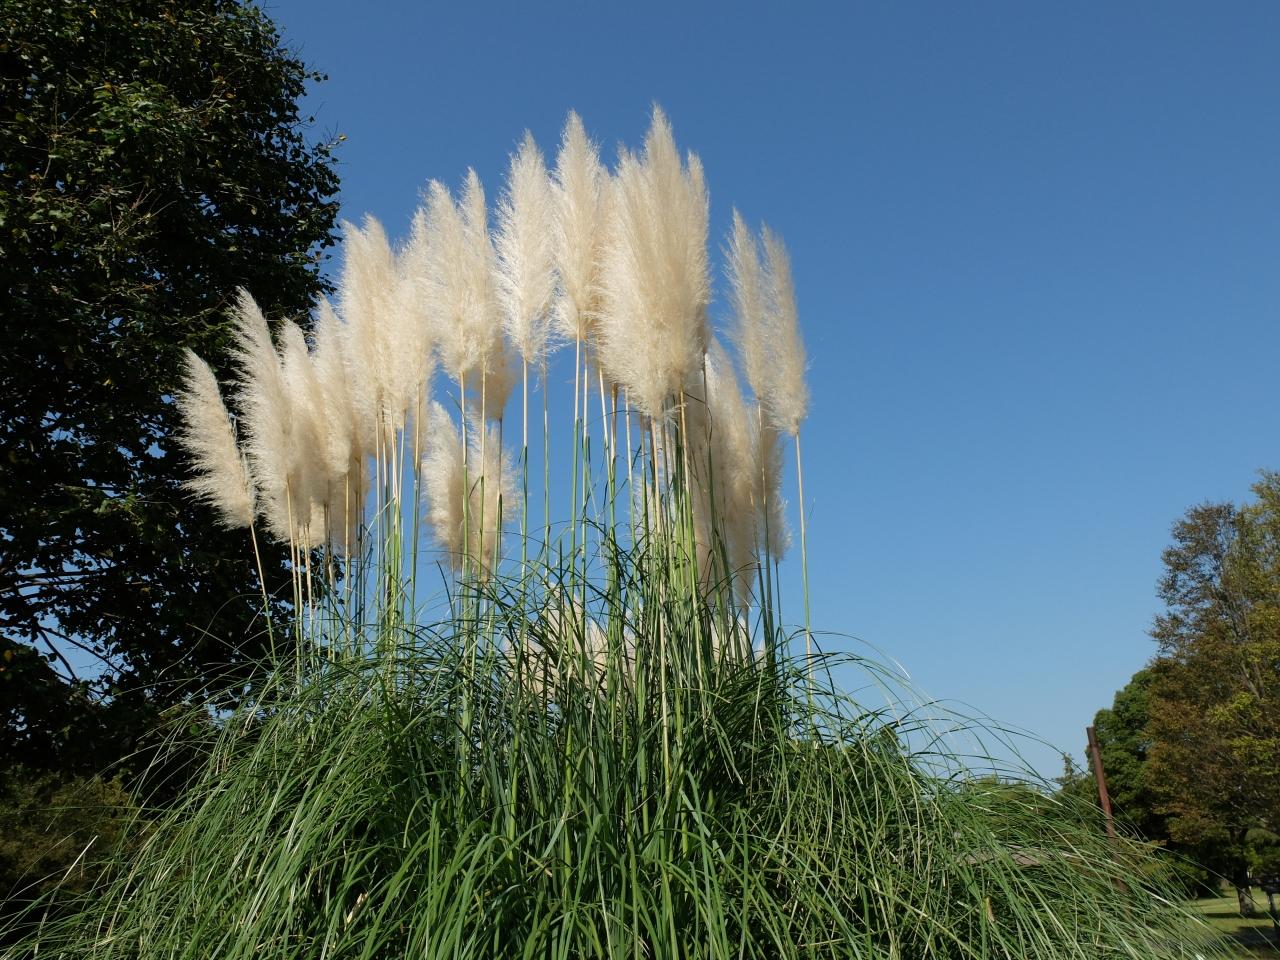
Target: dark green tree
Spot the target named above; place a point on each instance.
(1124, 743)
(153, 158)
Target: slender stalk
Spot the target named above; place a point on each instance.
(524, 469)
(804, 563)
(262, 584)
(577, 448)
(546, 471)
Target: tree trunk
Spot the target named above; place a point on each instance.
(1244, 893)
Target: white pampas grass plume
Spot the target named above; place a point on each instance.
(389, 329)
(747, 296)
(767, 332)
(490, 387)
(735, 643)
(465, 504)
(526, 269)
(453, 259)
(368, 288)
(484, 318)
(345, 464)
(491, 496)
(787, 395)
(262, 398)
(655, 284)
(579, 212)
(437, 258)
(773, 537)
(328, 346)
(409, 334)
(309, 494)
(732, 453)
(566, 645)
(444, 485)
(221, 476)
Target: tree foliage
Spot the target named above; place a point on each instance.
(59, 831)
(1125, 740)
(1214, 711)
(153, 159)
(1125, 743)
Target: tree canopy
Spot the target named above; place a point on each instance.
(1191, 745)
(154, 159)
(1125, 743)
(1215, 707)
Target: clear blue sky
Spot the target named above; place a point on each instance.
(1037, 249)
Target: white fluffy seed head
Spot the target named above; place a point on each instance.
(367, 299)
(567, 646)
(747, 296)
(655, 284)
(309, 477)
(221, 475)
(580, 182)
(526, 269)
(466, 500)
(458, 271)
(772, 537)
(492, 496)
(787, 396)
(490, 387)
(262, 398)
(410, 336)
(443, 484)
(437, 260)
(731, 448)
(331, 370)
(491, 370)
(345, 462)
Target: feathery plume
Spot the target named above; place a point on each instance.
(485, 319)
(263, 401)
(221, 478)
(454, 258)
(444, 485)
(731, 446)
(787, 396)
(655, 284)
(367, 292)
(579, 197)
(309, 497)
(491, 496)
(526, 275)
(491, 386)
(472, 502)
(328, 345)
(773, 537)
(343, 456)
(410, 335)
(747, 296)
(568, 645)
(437, 259)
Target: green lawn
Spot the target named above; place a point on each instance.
(1256, 936)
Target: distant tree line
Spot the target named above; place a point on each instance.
(1191, 745)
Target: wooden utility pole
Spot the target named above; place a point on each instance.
(1100, 778)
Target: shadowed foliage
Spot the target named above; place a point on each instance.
(153, 160)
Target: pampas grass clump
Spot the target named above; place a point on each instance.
(607, 743)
